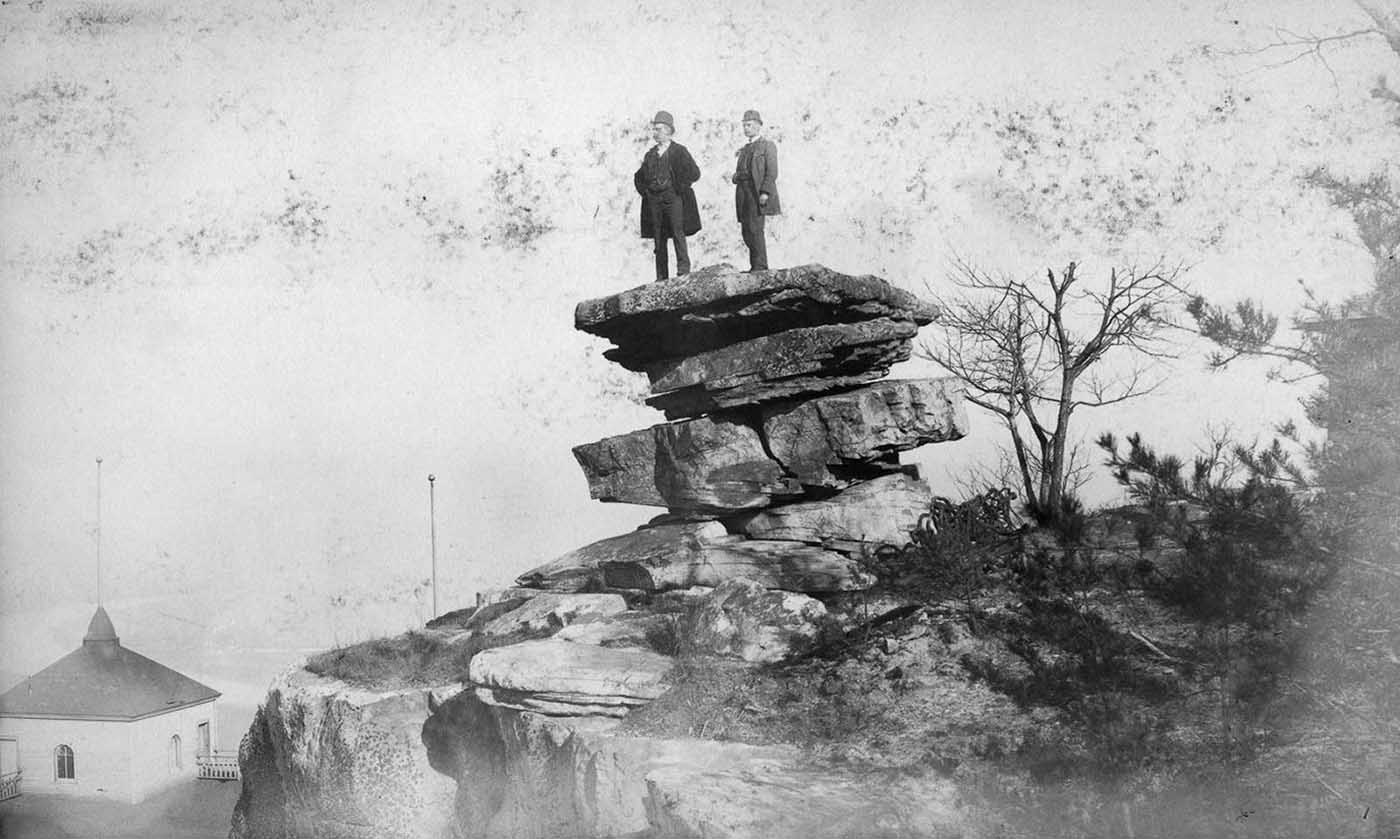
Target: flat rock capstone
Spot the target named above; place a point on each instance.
(707, 310)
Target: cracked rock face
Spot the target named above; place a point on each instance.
(797, 362)
(714, 465)
(771, 564)
(867, 425)
(551, 610)
(667, 557)
(567, 678)
(322, 760)
(742, 619)
(529, 775)
(739, 460)
(877, 512)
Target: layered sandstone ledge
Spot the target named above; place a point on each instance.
(779, 472)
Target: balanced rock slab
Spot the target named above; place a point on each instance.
(745, 460)
(864, 426)
(788, 364)
(713, 464)
(704, 311)
(878, 512)
(564, 675)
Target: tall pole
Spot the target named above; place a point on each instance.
(432, 537)
(99, 532)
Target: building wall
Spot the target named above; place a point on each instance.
(122, 760)
(150, 747)
(101, 756)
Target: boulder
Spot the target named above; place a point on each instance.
(581, 568)
(742, 619)
(741, 460)
(864, 426)
(567, 674)
(327, 759)
(797, 362)
(551, 610)
(707, 310)
(710, 465)
(878, 512)
(771, 564)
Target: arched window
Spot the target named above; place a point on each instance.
(176, 761)
(63, 763)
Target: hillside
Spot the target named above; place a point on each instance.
(277, 263)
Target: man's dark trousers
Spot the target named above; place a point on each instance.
(751, 226)
(668, 221)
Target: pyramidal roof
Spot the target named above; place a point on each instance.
(102, 680)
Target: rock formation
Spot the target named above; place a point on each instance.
(779, 466)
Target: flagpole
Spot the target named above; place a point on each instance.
(99, 532)
(432, 537)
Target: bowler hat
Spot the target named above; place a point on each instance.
(752, 115)
(664, 118)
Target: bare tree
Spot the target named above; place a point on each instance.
(1031, 351)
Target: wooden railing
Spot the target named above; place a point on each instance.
(219, 766)
(9, 785)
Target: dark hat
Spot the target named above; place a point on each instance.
(664, 117)
(752, 115)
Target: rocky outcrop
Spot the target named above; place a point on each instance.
(771, 564)
(797, 362)
(783, 471)
(582, 568)
(742, 619)
(528, 775)
(708, 465)
(325, 760)
(736, 461)
(824, 441)
(878, 512)
(552, 610)
(779, 470)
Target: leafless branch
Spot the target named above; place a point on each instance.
(1024, 347)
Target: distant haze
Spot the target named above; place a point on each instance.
(276, 262)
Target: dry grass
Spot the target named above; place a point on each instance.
(413, 659)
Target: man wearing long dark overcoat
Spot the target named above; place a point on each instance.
(669, 209)
(756, 188)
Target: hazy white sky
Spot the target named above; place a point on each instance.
(276, 262)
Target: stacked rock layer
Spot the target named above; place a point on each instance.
(778, 467)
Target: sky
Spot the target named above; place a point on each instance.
(275, 263)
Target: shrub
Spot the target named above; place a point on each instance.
(956, 550)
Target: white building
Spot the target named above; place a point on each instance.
(106, 721)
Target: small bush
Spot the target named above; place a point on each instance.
(955, 552)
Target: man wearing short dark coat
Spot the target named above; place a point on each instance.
(756, 188)
(669, 209)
